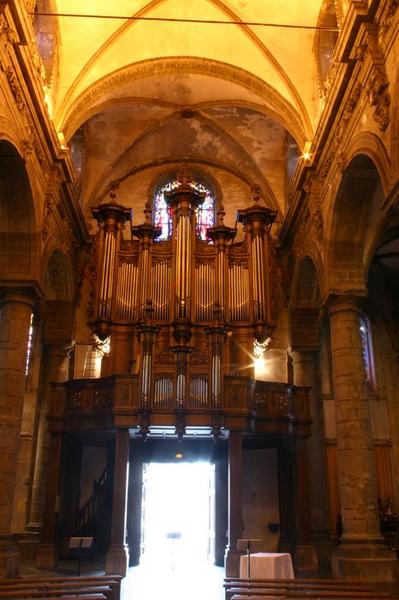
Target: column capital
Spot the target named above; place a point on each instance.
(307, 353)
(21, 292)
(344, 302)
(59, 348)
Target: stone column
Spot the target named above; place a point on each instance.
(55, 363)
(117, 561)
(46, 556)
(286, 500)
(312, 518)
(362, 554)
(15, 315)
(235, 523)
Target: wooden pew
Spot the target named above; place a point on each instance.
(111, 583)
(84, 593)
(297, 588)
(298, 594)
(107, 585)
(299, 585)
(315, 581)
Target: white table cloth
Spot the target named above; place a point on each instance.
(267, 565)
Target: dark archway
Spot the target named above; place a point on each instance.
(356, 218)
(18, 239)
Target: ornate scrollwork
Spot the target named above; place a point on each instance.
(388, 15)
(380, 98)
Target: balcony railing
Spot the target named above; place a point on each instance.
(114, 401)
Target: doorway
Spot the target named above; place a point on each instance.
(178, 514)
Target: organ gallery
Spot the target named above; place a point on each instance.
(199, 262)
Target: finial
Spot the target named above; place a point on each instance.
(217, 312)
(184, 175)
(148, 310)
(147, 212)
(113, 188)
(220, 215)
(256, 193)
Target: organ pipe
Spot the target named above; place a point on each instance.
(126, 293)
(257, 221)
(221, 235)
(147, 331)
(146, 233)
(217, 333)
(110, 218)
(180, 286)
(184, 200)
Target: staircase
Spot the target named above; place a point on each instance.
(92, 519)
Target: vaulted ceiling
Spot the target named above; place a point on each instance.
(236, 98)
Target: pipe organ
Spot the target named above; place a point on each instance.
(191, 307)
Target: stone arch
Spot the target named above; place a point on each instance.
(58, 295)
(355, 221)
(370, 145)
(19, 239)
(305, 305)
(394, 139)
(272, 102)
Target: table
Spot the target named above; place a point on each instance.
(267, 565)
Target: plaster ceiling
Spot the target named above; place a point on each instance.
(92, 48)
(225, 96)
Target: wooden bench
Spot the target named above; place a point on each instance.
(296, 594)
(314, 581)
(105, 586)
(242, 589)
(61, 592)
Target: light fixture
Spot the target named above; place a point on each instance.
(306, 154)
(259, 358)
(61, 139)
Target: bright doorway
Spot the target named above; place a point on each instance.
(178, 514)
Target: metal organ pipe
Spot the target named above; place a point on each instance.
(160, 284)
(111, 216)
(257, 220)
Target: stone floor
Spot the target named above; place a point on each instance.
(152, 582)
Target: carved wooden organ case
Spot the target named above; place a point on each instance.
(192, 308)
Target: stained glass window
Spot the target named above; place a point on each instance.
(205, 213)
(163, 214)
(365, 334)
(29, 343)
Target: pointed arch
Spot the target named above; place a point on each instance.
(19, 238)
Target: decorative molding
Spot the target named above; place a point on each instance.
(377, 88)
(379, 97)
(31, 143)
(388, 15)
(281, 108)
(328, 83)
(318, 220)
(6, 32)
(335, 155)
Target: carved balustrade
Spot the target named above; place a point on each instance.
(104, 403)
